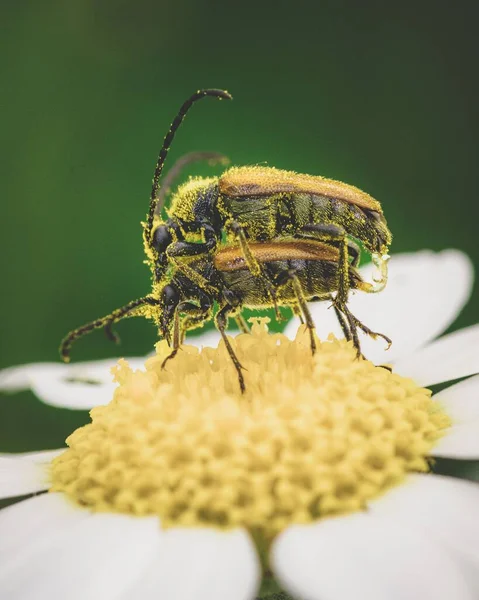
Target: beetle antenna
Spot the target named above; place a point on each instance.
(213, 158)
(221, 94)
(105, 323)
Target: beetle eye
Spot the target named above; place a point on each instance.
(170, 296)
(161, 238)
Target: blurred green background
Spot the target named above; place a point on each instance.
(382, 95)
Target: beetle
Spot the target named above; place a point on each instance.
(263, 215)
(257, 203)
(300, 270)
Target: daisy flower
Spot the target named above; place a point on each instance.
(314, 484)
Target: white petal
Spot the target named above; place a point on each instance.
(41, 457)
(76, 386)
(16, 379)
(407, 310)
(33, 520)
(200, 564)
(364, 557)
(324, 319)
(25, 474)
(76, 389)
(209, 338)
(451, 357)
(96, 557)
(460, 441)
(461, 401)
(446, 509)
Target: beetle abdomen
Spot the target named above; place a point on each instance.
(318, 279)
(286, 214)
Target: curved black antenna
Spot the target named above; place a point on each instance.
(212, 158)
(220, 94)
(104, 323)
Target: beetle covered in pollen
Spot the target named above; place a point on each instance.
(255, 237)
(259, 204)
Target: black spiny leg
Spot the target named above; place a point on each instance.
(176, 338)
(352, 327)
(221, 321)
(103, 322)
(364, 328)
(367, 331)
(302, 308)
(344, 325)
(195, 315)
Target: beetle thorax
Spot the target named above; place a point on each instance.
(185, 198)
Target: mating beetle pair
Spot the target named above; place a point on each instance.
(256, 237)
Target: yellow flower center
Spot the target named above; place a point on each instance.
(311, 437)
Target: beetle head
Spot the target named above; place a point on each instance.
(160, 241)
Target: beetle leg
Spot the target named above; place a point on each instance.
(354, 323)
(333, 233)
(221, 322)
(185, 248)
(196, 315)
(254, 266)
(251, 262)
(298, 291)
(176, 251)
(342, 322)
(302, 304)
(235, 303)
(242, 324)
(182, 248)
(193, 275)
(344, 311)
(105, 322)
(354, 251)
(176, 338)
(297, 313)
(367, 331)
(349, 329)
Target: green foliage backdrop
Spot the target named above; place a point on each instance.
(382, 95)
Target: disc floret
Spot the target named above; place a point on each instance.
(311, 437)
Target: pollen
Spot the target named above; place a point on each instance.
(313, 436)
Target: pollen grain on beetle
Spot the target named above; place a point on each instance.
(313, 436)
